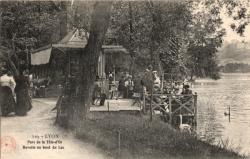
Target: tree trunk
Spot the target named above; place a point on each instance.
(155, 39)
(79, 104)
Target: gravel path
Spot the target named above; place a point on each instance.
(38, 126)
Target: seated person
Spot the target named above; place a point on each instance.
(96, 93)
(186, 91)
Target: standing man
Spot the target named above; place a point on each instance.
(121, 87)
(111, 78)
(129, 84)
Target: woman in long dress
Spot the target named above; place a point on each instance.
(7, 101)
(22, 93)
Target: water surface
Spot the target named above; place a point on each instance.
(214, 100)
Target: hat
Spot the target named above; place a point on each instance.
(186, 86)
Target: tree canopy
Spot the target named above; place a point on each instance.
(28, 25)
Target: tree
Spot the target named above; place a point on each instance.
(79, 105)
(175, 34)
(204, 39)
(155, 27)
(207, 34)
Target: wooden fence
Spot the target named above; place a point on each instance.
(172, 105)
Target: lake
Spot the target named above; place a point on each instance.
(214, 100)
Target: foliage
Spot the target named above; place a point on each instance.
(238, 10)
(27, 25)
(158, 32)
(151, 32)
(181, 37)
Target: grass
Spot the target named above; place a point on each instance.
(140, 138)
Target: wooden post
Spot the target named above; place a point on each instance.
(144, 100)
(170, 109)
(114, 74)
(151, 100)
(108, 106)
(162, 83)
(119, 142)
(195, 108)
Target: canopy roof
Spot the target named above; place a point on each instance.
(73, 40)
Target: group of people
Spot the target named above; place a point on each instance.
(125, 87)
(7, 86)
(14, 95)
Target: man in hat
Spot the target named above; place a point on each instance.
(129, 84)
(186, 90)
(157, 80)
(121, 87)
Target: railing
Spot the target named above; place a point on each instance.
(171, 104)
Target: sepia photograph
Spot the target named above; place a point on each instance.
(125, 79)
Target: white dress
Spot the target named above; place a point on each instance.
(8, 81)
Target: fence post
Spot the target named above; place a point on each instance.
(144, 104)
(170, 109)
(195, 108)
(151, 101)
(119, 142)
(108, 106)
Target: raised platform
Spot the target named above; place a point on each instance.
(116, 105)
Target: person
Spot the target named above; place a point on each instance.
(147, 79)
(103, 98)
(23, 99)
(111, 78)
(96, 93)
(121, 87)
(157, 81)
(7, 86)
(186, 90)
(129, 84)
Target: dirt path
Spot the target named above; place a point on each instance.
(39, 123)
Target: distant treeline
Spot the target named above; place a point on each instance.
(235, 67)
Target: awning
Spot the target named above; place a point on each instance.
(41, 57)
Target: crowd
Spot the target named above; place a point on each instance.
(125, 86)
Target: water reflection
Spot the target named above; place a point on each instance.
(214, 100)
